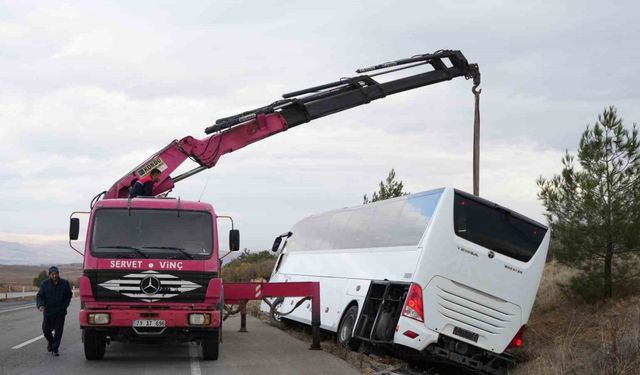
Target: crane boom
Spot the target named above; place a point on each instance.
(232, 133)
(309, 104)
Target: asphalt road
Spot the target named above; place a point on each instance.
(263, 351)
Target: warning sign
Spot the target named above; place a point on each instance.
(154, 162)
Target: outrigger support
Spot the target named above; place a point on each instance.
(240, 293)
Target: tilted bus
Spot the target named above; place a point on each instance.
(442, 273)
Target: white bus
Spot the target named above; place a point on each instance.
(443, 274)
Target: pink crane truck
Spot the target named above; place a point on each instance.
(152, 264)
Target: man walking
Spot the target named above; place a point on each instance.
(52, 300)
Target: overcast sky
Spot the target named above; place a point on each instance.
(88, 90)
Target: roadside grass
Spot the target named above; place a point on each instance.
(565, 336)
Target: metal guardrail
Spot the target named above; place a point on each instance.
(6, 296)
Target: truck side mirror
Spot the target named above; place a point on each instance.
(276, 244)
(74, 228)
(234, 240)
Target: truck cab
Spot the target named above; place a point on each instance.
(151, 273)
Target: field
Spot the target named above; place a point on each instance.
(15, 277)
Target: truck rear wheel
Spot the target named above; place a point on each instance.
(345, 329)
(95, 344)
(211, 345)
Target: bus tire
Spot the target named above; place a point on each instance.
(95, 344)
(277, 321)
(211, 345)
(345, 329)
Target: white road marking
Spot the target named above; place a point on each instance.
(16, 309)
(195, 363)
(28, 342)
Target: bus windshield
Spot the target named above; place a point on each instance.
(148, 233)
(496, 228)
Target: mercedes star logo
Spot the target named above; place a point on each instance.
(150, 285)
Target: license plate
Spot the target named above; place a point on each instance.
(149, 323)
(466, 334)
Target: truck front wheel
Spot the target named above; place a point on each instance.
(95, 344)
(211, 345)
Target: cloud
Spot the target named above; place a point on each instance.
(92, 89)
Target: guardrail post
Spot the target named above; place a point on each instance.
(243, 316)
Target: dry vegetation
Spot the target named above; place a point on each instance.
(569, 337)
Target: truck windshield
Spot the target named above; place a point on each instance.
(496, 228)
(152, 234)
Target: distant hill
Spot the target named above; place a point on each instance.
(54, 252)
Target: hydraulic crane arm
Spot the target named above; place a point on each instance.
(309, 104)
(299, 107)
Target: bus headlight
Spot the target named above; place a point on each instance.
(99, 318)
(199, 319)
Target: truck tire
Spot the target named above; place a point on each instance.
(211, 345)
(345, 329)
(95, 344)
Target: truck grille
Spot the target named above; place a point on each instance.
(149, 286)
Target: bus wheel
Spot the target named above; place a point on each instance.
(211, 345)
(95, 344)
(276, 320)
(345, 329)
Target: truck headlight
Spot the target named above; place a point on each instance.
(199, 319)
(99, 318)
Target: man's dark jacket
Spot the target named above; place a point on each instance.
(54, 298)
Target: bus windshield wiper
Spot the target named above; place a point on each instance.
(134, 249)
(181, 250)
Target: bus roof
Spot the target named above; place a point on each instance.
(382, 202)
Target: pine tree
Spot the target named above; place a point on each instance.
(390, 188)
(42, 276)
(593, 208)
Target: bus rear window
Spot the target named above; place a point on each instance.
(496, 228)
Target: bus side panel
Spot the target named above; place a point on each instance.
(344, 276)
(391, 263)
(333, 300)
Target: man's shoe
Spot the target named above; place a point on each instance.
(56, 354)
(49, 349)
